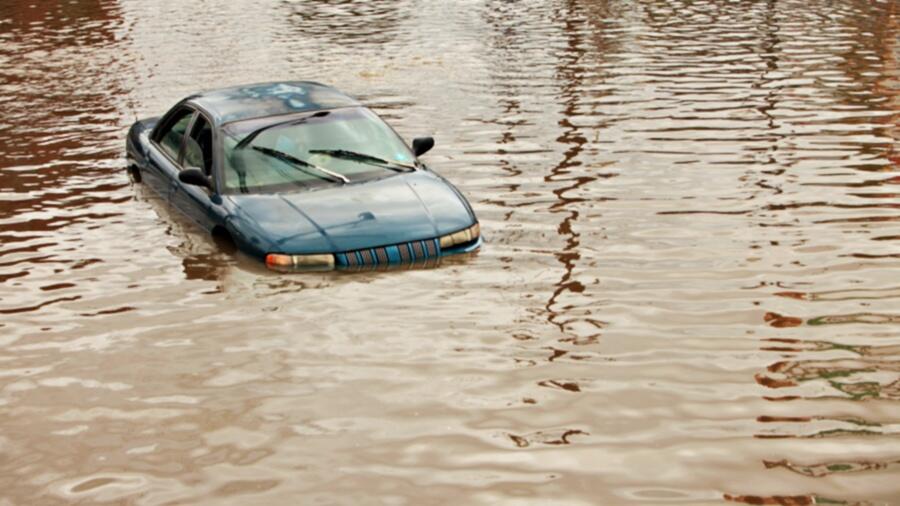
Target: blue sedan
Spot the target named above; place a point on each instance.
(301, 176)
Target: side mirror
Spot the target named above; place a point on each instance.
(421, 145)
(194, 176)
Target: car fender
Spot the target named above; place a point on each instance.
(247, 236)
(459, 195)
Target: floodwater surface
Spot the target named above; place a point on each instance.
(689, 291)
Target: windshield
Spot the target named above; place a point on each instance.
(330, 147)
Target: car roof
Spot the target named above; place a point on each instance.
(268, 99)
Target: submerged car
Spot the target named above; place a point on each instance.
(301, 176)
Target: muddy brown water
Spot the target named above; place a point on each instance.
(689, 293)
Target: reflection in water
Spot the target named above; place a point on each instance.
(865, 372)
(688, 292)
(576, 323)
(355, 23)
(820, 470)
(560, 437)
(813, 370)
(778, 320)
(782, 500)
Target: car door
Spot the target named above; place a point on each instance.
(165, 151)
(197, 153)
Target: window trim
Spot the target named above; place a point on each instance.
(212, 126)
(165, 125)
(179, 163)
(187, 133)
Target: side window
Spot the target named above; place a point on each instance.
(198, 151)
(173, 133)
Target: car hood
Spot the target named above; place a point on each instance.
(397, 209)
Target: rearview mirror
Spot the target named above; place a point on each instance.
(194, 176)
(421, 145)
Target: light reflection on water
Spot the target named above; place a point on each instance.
(688, 292)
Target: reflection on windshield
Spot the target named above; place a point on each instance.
(351, 144)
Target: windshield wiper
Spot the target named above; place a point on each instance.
(364, 158)
(255, 133)
(301, 164)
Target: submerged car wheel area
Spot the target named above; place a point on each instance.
(302, 177)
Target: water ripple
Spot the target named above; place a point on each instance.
(687, 294)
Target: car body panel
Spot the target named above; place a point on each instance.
(349, 217)
(136, 142)
(160, 173)
(193, 201)
(394, 209)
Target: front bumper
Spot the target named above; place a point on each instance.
(426, 253)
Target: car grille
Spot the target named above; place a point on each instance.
(404, 253)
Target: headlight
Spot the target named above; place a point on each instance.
(280, 261)
(463, 236)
